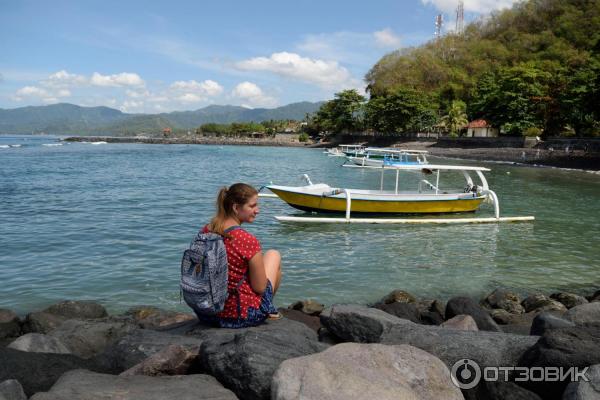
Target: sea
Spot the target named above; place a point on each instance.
(109, 222)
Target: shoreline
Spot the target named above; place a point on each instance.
(533, 157)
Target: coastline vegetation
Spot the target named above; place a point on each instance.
(533, 69)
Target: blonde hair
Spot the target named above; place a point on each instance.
(238, 193)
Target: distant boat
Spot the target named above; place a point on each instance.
(376, 157)
(344, 150)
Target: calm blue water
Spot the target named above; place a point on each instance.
(109, 222)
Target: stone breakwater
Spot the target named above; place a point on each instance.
(189, 140)
(401, 347)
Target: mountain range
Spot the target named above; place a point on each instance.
(70, 119)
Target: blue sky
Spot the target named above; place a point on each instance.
(159, 56)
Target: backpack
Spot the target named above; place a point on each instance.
(204, 274)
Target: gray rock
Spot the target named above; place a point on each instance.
(399, 296)
(585, 314)
(467, 306)
(562, 347)
(505, 300)
(172, 360)
(431, 311)
(499, 390)
(311, 321)
(39, 343)
(309, 307)
(364, 371)
(595, 296)
(407, 311)
(539, 302)
(362, 324)
(10, 324)
(585, 390)
(569, 300)
(150, 317)
(140, 344)
(546, 321)
(12, 390)
(86, 385)
(461, 323)
(89, 338)
(80, 309)
(38, 371)
(245, 360)
(42, 322)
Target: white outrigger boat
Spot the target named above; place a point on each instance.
(344, 150)
(376, 157)
(428, 198)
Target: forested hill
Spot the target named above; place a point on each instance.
(536, 65)
(69, 119)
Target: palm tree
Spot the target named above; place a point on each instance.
(456, 118)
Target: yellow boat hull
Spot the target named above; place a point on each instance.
(309, 202)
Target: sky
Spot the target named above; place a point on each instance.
(162, 56)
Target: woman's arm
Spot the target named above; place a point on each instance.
(257, 274)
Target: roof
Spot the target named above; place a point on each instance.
(479, 123)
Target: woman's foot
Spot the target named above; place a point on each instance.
(275, 316)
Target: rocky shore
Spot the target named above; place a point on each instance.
(190, 140)
(402, 347)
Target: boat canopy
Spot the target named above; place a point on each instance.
(432, 167)
(394, 151)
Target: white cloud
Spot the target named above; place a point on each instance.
(132, 106)
(253, 95)
(327, 74)
(116, 80)
(64, 79)
(32, 91)
(474, 6)
(208, 87)
(190, 98)
(387, 38)
(36, 93)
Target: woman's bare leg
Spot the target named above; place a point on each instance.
(272, 262)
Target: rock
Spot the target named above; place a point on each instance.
(356, 323)
(39, 343)
(364, 371)
(595, 296)
(499, 390)
(85, 339)
(461, 323)
(244, 360)
(150, 317)
(546, 321)
(12, 390)
(10, 324)
(38, 371)
(309, 307)
(399, 296)
(327, 337)
(466, 306)
(501, 316)
(514, 323)
(562, 347)
(585, 314)
(431, 311)
(585, 390)
(172, 360)
(86, 385)
(539, 302)
(311, 321)
(52, 317)
(505, 300)
(140, 344)
(401, 310)
(369, 325)
(569, 300)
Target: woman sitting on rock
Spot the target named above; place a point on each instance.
(236, 205)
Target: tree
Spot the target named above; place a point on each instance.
(343, 114)
(456, 119)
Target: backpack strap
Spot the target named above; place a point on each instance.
(231, 228)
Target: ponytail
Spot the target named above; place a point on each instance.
(238, 193)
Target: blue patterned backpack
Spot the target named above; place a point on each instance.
(204, 274)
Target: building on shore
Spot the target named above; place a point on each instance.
(481, 128)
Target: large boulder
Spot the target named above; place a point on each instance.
(582, 390)
(38, 371)
(244, 360)
(546, 321)
(52, 317)
(504, 299)
(585, 314)
(361, 324)
(309, 307)
(431, 312)
(540, 302)
(407, 311)
(569, 300)
(364, 371)
(12, 390)
(398, 296)
(86, 385)
(461, 323)
(10, 324)
(140, 344)
(312, 321)
(172, 360)
(467, 306)
(89, 338)
(150, 317)
(563, 347)
(499, 390)
(39, 343)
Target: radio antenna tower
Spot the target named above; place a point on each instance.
(460, 17)
(439, 21)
